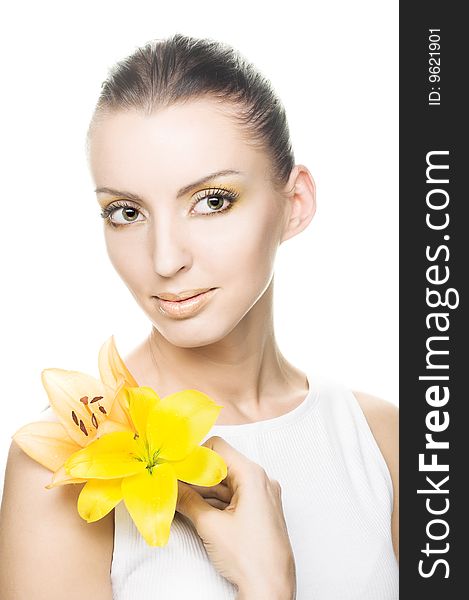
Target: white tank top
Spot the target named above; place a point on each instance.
(337, 496)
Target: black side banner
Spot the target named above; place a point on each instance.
(434, 358)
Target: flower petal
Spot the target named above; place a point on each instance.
(98, 497)
(65, 390)
(203, 466)
(111, 366)
(120, 409)
(46, 442)
(180, 422)
(142, 402)
(110, 426)
(108, 457)
(151, 502)
(61, 477)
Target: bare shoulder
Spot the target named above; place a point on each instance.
(383, 418)
(45, 546)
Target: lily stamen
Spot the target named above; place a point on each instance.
(83, 428)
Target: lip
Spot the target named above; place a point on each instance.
(186, 304)
(182, 295)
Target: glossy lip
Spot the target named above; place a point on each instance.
(183, 295)
(181, 309)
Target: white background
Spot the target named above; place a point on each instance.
(334, 64)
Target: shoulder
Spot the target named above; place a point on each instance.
(383, 418)
(73, 545)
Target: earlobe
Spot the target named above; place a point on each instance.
(301, 196)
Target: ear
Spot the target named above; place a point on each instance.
(300, 192)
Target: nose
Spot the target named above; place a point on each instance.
(170, 246)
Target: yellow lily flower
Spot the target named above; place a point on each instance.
(142, 465)
(85, 408)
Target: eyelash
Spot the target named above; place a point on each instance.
(222, 193)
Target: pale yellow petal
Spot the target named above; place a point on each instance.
(67, 391)
(98, 497)
(110, 426)
(120, 409)
(180, 422)
(203, 466)
(61, 477)
(108, 457)
(46, 442)
(111, 366)
(151, 502)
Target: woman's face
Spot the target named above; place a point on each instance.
(175, 226)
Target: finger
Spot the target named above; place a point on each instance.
(217, 503)
(191, 504)
(237, 463)
(220, 491)
(244, 475)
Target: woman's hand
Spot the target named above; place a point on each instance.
(242, 527)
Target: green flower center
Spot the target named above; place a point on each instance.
(147, 454)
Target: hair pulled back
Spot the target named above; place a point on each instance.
(180, 68)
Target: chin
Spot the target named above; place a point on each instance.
(194, 332)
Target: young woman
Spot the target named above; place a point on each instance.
(195, 176)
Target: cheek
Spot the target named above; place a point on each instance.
(237, 253)
(244, 247)
(127, 254)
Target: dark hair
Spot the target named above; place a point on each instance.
(180, 68)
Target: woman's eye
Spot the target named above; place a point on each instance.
(124, 215)
(211, 204)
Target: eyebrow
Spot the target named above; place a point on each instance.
(181, 192)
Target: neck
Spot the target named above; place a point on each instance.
(239, 370)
